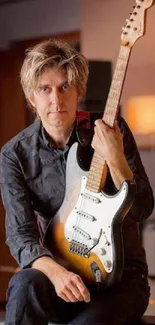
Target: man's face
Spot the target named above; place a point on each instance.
(55, 100)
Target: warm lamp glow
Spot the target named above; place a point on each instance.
(141, 114)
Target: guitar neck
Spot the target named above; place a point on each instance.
(98, 169)
(111, 109)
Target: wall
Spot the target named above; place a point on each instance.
(100, 22)
(37, 18)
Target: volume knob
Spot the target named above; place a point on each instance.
(102, 251)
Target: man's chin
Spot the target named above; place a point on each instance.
(57, 123)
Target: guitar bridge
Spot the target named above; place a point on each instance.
(79, 249)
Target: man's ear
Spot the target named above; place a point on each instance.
(32, 100)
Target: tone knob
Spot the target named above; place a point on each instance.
(108, 264)
(102, 251)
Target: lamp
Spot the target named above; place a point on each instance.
(141, 120)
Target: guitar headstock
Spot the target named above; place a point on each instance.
(135, 25)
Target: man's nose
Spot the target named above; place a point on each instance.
(56, 97)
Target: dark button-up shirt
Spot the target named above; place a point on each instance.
(32, 177)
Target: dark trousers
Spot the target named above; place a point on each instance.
(31, 300)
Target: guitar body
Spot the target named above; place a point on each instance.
(86, 233)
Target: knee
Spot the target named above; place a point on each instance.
(23, 279)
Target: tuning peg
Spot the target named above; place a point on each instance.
(124, 27)
(124, 30)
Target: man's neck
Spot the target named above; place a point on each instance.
(58, 135)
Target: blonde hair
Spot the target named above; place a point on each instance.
(56, 54)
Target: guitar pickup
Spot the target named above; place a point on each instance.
(82, 233)
(92, 198)
(86, 215)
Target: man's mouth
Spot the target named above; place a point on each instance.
(57, 112)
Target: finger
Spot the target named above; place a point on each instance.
(108, 135)
(70, 295)
(67, 294)
(116, 123)
(64, 297)
(101, 130)
(102, 126)
(99, 122)
(98, 137)
(96, 140)
(76, 292)
(83, 290)
(76, 280)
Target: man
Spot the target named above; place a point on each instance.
(33, 168)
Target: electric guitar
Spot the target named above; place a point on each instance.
(86, 233)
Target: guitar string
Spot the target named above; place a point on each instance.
(76, 234)
(79, 222)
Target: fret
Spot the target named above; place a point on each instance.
(95, 177)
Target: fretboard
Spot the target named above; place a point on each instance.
(98, 168)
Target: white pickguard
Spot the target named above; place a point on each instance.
(90, 222)
(95, 221)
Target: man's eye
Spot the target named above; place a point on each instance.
(44, 89)
(65, 87)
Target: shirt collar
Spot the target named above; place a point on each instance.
(48, 140)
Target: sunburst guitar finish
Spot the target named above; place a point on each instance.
(85, 234)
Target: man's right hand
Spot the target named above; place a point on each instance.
(68, 285)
